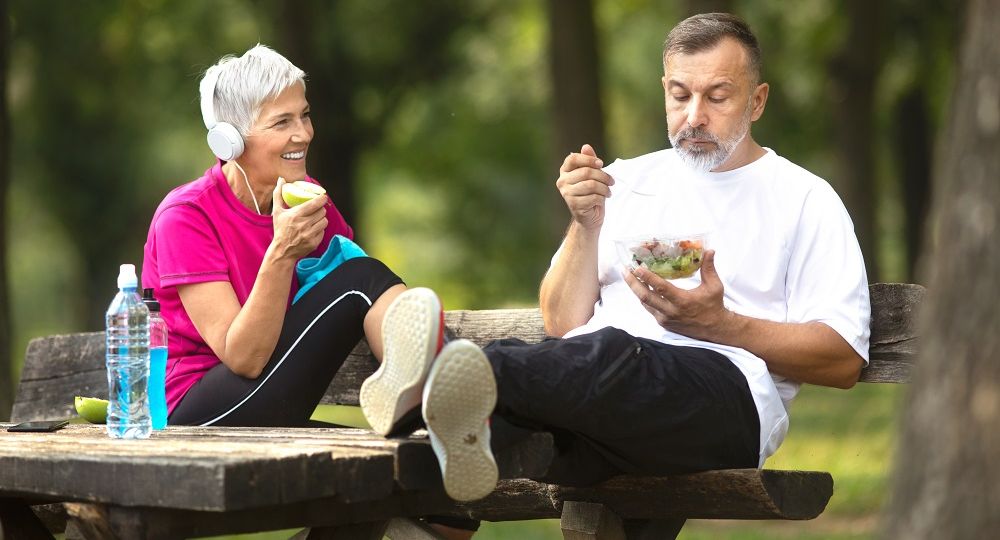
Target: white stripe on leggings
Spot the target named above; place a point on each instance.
(289, 351)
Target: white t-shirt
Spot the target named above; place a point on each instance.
(785, 251)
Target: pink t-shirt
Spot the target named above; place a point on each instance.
(201, 232)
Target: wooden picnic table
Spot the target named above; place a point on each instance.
(348, 483)
(204, 470)
(341, 482)
(194, 481)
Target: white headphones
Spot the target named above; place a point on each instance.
(223, 138)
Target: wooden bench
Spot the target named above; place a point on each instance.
(349, 483)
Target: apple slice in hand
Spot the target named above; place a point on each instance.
(299, 192)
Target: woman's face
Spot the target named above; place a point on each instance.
(279, 140)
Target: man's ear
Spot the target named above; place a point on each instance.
(759, 100)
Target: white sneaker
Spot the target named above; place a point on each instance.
(412, 335)
(458, 399)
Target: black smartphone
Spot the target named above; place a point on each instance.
(39, 426)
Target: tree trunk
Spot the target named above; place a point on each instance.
(575, 67)
(914, 151)
(694, 7)
(947, 471)
(853, 74)
(321, 44)
(6, 361)
(330, 78)
(577, 113)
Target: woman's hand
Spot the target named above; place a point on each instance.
(298, 230)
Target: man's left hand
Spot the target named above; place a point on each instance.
(697, 313)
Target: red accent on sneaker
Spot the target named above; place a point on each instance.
(440, 344)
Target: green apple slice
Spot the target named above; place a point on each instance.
(93, 410)
(299, 192)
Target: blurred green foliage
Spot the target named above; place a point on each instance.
(447, 160)
(450, 175)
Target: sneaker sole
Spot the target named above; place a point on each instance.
(459, 397)
(411, 335)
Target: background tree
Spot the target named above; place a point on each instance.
(7, 383)
(693, 7)
(436, 135)
(575, 67)
(927, 31)
(356, 82)
(853, 77)
(948, 473)
(96, 102)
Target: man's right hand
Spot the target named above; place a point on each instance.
(584, 187)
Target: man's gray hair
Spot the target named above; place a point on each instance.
(246, 82)
(702, 32)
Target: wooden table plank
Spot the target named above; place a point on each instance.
(416, 466)
(193, 468)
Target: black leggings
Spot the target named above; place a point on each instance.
(317, 334)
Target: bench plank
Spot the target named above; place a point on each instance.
(894, 339)
(751, 493)
(480, 327)
(57, 368)
(727, 494)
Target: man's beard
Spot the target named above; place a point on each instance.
(706, 159)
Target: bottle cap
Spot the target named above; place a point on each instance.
(150, 300)
(126, 276)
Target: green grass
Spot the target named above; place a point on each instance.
(849, 433)
(341, 414)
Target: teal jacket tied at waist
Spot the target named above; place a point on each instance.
(311, 270)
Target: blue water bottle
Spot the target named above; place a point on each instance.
(157, 361)
(127, 359)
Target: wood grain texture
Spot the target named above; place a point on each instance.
(590, 521)
(728, 494)
(894, 340)
(653, 502)
(659, 503)
(411, 529)
(182, 468)
(90, 521)
(57, 368)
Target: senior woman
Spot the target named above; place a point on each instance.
(221, 256)
(247, 347)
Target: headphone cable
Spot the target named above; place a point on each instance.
(247, 180)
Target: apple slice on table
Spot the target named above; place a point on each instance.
(93, 410)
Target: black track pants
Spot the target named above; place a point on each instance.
(621, 404)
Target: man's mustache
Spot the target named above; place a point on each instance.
(696, 133)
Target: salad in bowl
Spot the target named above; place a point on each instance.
(668, 256)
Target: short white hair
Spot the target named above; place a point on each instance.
(246, 82)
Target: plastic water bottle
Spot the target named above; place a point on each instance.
(127, 358)
(157, 361)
